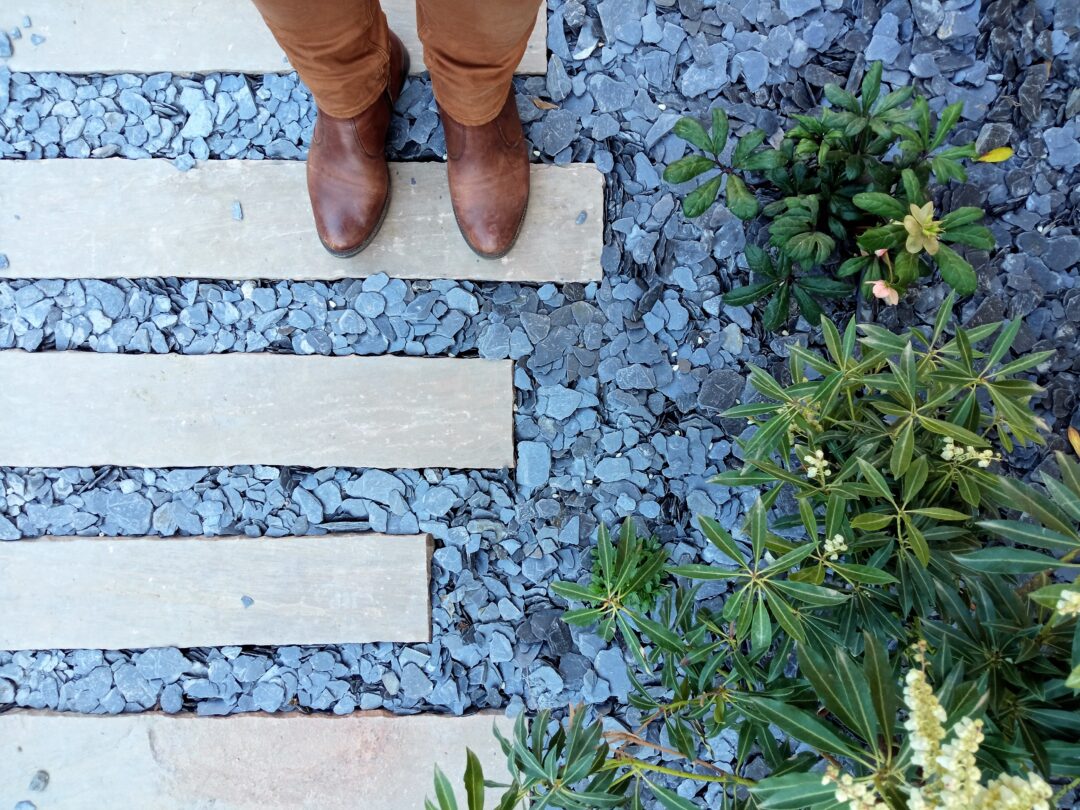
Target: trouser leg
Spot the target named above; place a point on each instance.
(472, 48)
(340, 48)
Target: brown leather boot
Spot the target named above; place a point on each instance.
(347, 176)
(488, 167)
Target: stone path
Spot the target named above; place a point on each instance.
(618, 383)
(239, 219)
(129, 593)
(184, 36)
(185, 414)
(250, 762)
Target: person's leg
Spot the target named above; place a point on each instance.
(354, 67)
(472, 48)
(340, 48)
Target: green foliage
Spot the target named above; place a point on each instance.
(883, 522)
(568, 767)
(838, 195)
(633, 555)
(626, 579)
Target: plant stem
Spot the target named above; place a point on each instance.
(728, 778)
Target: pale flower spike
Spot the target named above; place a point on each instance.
(950, 779)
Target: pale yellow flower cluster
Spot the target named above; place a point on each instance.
(953, 453)
(835, 546)
(1068, 603)
(957, 776)
(817, 466)
(951, 779)
(858, 795)
(926, 719)
(1009, 792)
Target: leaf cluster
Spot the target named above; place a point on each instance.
(801, 642)
(835, 194)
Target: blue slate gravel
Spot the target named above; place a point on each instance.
(619, 384)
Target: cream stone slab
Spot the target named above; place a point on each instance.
(360, 761)
(85, 409)
(132, 593)
(117, 218)
(184, 36)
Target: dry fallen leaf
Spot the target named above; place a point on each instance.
(998, 155)
(544, 105)
(1074, 440)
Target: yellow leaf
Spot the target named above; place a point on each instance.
(998, 155)
(1074, 440)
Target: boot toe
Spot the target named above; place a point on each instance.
(492, 231)
(346, 228)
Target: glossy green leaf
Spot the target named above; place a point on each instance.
(443, 791)
(1005, 560)
(671, 800)
(863, 574)
(795, 791)
(955, 270)
(961, 216)
(697, 202)
(720, 129)
(810, 308)
(741, 296)
(740, 201)
(687, 168)
(880, 204)
(690, 129)
(777, 311)
(814, 595)
(721, 538)
(474, 781)
(804, 727)
(948, 119)
(576, 592)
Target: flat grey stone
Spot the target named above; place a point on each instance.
(76, 200)
(797, 8)
(173, 39)
(534, 466)
(177, 758)
(182, 411)
(340, 588)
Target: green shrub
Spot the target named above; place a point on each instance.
(846, 194)
(902, 535)
(625, 582)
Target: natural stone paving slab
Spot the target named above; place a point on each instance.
(128, 593)
(245, 762)
(144, 218)
(185, 36)
(85, 409)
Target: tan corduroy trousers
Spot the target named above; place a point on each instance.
(341, 49)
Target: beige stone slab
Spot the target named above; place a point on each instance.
(361, 761)
(183, 36)
(116, 218)
(133, 593)
(86, 409)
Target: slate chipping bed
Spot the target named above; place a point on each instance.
(618, 384)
